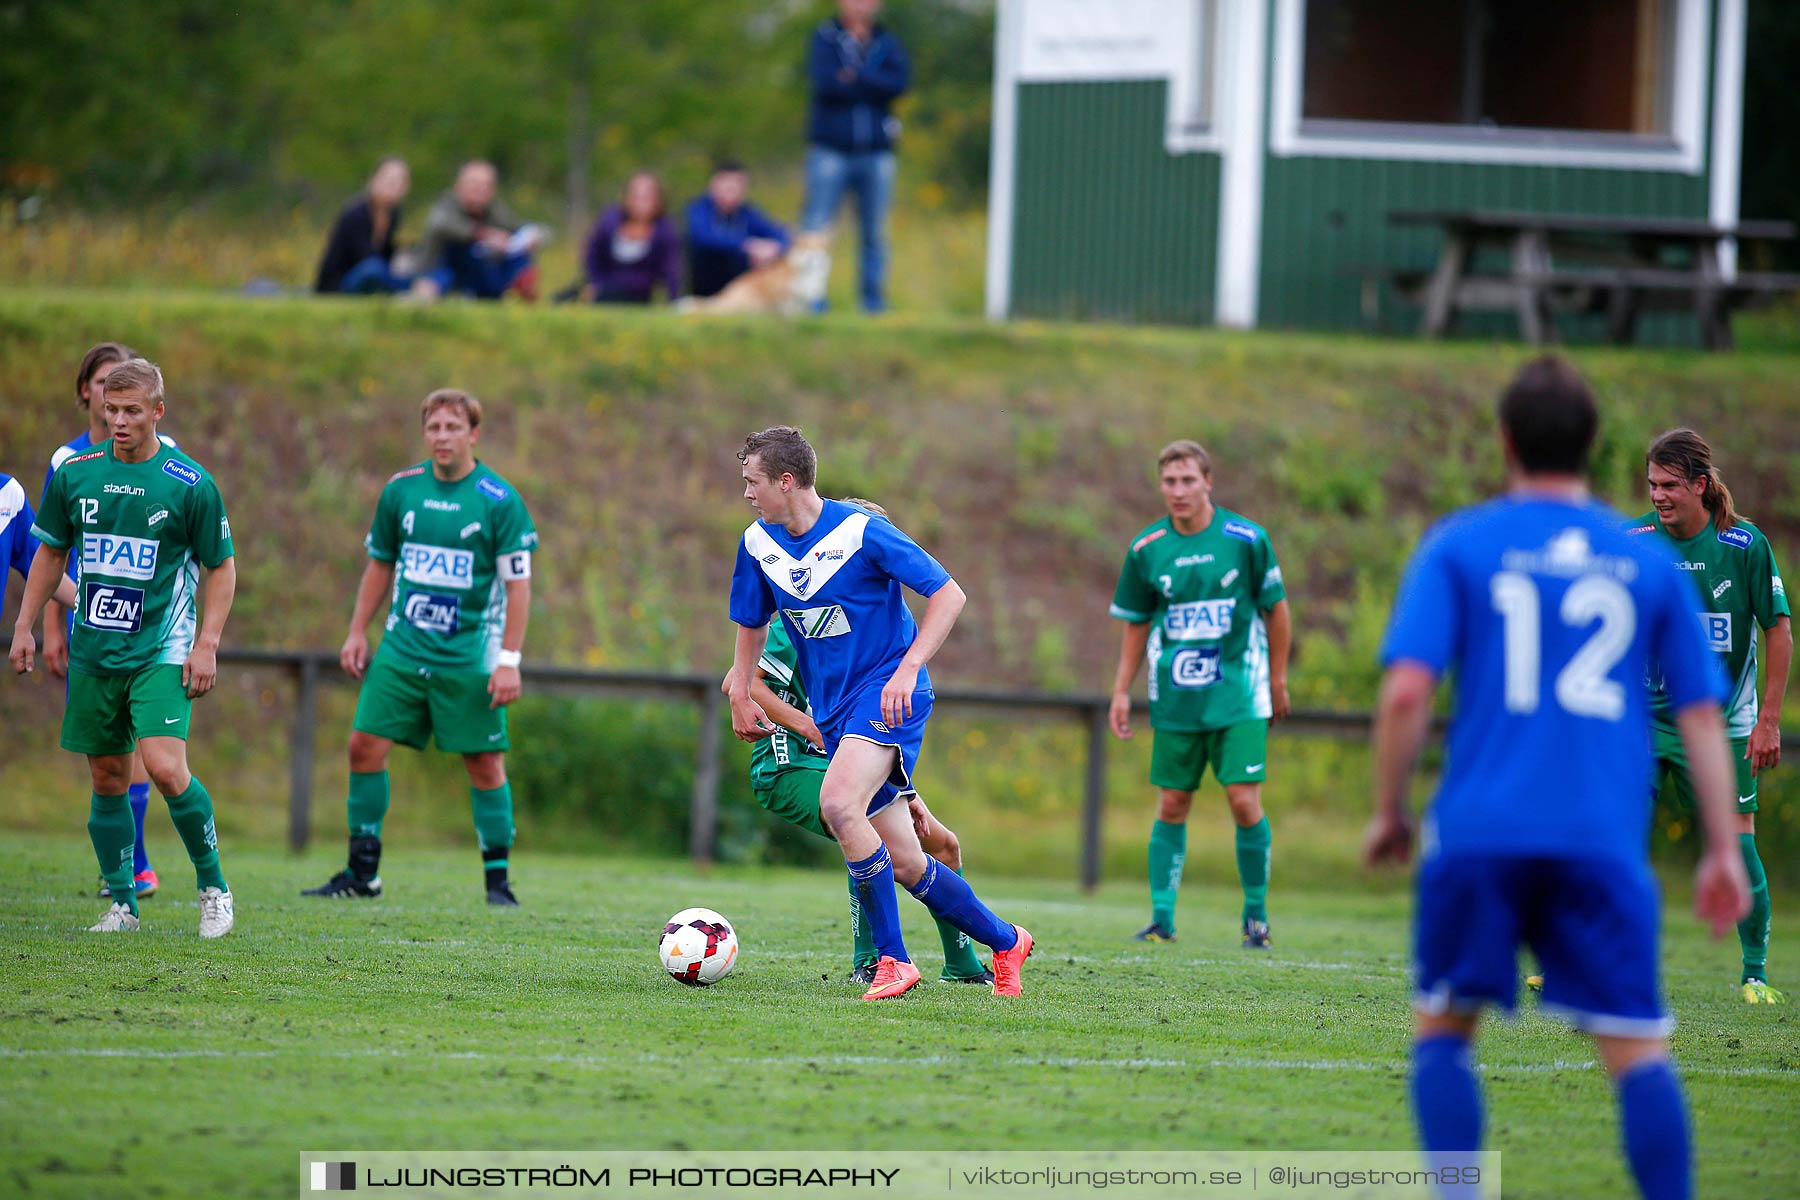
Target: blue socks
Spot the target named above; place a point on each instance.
(1446, 1099)
(1653, 1119)
(1652, 1115)
(874, 878)
(954, 902)
(139, 795)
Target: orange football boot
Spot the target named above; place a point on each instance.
(1008, 962)
(892, 978)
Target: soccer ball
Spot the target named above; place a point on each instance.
(699, 947)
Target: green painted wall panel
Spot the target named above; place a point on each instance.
(1325, 220)
(1106, 223)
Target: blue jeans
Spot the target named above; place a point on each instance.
(471, 267)
(372, 274)
(870, 180)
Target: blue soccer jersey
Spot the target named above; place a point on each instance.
(1548, 613)
(837, 588)
(17, 546)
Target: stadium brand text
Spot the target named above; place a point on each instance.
(119, 489)
(443, 505)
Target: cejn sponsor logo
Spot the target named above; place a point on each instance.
(1199, 620)
(1195, 668)
(120, 557)
(182, 472)
(433, 612)
(437, 566)
(108, 606)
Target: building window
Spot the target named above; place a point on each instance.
(1520, 67)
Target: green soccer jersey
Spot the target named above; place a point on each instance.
(1740, 594)
(454, 546)
(141, 532)
(782, 751)
(1204, 595)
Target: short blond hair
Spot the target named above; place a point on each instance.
(138, 375)
(1182, 448)
(452, 398)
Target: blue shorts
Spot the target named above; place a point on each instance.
(862, 719)
(1593, 924)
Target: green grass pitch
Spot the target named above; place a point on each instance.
(155, 1065)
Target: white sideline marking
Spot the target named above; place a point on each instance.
(1327, 1065)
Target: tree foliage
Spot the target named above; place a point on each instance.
(134, 102)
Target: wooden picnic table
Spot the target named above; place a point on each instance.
(1622, 266)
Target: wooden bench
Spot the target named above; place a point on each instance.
(1560, 262)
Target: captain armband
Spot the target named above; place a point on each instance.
(516, 565)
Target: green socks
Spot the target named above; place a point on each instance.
(493, 823)
(864, 953)
(1168, 851)
(1753, 930)
(368, 802)
(1253, 843)
(192, 812)
(114, 835)
(959, 952)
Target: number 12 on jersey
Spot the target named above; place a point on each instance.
(1582, 686)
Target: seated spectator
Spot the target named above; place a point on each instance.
(474, 243)
(727, 235)
(634, 247)
(359, 254)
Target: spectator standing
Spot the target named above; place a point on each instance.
(858, 68)
(726, 234)
(359, 254)
(475, 243)
(634, 247)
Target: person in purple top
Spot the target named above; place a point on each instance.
(634, 247)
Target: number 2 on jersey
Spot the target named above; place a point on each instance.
(1582, 686)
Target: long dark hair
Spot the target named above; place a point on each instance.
(93, 360)
(1685, 453)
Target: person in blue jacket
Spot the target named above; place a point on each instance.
(858, 69)
(726, 234)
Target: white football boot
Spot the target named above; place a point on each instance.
(216, 917)
(117, 919)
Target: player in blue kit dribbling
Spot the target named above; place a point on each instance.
(1548, 614)
(833, 573)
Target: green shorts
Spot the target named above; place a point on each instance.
(1238, 754)
(107, 714)
(409, 703)
(1672, 773)
(795, 799)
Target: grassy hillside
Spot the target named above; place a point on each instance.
(1020, 455)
